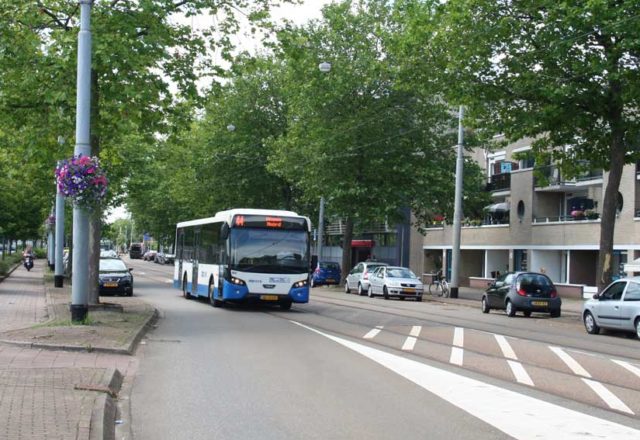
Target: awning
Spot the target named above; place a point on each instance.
(362, 243)
(633, 266)
(498, 207)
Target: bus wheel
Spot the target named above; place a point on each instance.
(185, 293)
(285, 305)
(212, 299)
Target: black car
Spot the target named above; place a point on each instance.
(115, 277)
(524, 292)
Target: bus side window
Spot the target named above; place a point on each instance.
(180, 244)
(187, 253)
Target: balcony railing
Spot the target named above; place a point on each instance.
(552, 176)
(562, 219)
(499, 182)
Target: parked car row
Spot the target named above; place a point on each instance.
(374, 278)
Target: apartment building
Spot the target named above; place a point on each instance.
(549, 224)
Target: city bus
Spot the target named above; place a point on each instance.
(243, 255)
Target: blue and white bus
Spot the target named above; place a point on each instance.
(244, 255)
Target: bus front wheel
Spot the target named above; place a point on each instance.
(285, 305)
(212, 299)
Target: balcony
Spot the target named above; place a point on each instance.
(550, 178)
(499, 182)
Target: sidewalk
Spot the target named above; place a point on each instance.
(59, 380)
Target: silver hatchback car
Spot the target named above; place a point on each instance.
(358, 277)
(617, 308)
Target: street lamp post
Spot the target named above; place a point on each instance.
(80, 274)
(457, 212)
(58, 279)
(324, 67)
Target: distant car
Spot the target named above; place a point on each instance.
(108, 254)
(358, 277)
(617, 307)
(395, 281)
(326, 273)
(149, 255)
(114, 277)
(524, 292)
(135, 251)
(164, 258)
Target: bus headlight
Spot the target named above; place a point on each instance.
(238, 281)
(299, 284)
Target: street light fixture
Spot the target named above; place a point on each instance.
(231, 127)
(324, 67)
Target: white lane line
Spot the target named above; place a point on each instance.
(168, 281)
(458, 337)
(457, 355)
(374, 332)
(626, 365)
(507, 351)
(608, 397)
(496, 406)
(520, 373)
(410, 343)
(570, 362)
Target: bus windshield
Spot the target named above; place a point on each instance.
(269, 250)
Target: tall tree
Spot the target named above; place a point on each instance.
(565, 73)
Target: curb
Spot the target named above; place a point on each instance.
(129, 346)
(474, 303)
(104, 412)
(2, 278)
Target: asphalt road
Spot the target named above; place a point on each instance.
(349, 367)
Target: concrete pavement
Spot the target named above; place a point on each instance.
(52, 393)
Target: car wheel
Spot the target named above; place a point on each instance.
(485, 305)
(286, 305)
(419, 298)
(370, 292)
(638, 327)
(555, 313)
(590, 324)
(346, 287)
(510, 309)
(361, 290)
(313, 283)
(527, 313)
(385, 292)
(185, 294)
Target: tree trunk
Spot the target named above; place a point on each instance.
(95, 225)
(609, 211)
(346, 248)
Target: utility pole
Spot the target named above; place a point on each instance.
(457, 212)
(58, 279)
(50, 240)
(80, 274)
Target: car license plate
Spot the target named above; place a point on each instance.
(539, 303)
(110, 284)
(330, 280)
(269, 297)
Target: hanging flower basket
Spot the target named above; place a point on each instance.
(82, 180)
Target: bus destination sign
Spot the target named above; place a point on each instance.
(269, 222)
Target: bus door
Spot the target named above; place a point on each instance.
(196, 252)
(180, 252)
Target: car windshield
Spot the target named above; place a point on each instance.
(269, 250)
(112, 265)
(400, 273)
(330, 266)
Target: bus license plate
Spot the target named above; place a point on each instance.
(539, 303)
(269, 297)
(110, 284)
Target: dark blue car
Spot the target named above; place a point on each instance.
(326, 272)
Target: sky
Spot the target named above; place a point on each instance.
(299, 14)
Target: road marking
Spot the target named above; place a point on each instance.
(628, 366)
(496, 406)
(507, 351)
(520, 373)
(457, 353)
(570, 362)
(410, 343)
(168, 281)
(608, 397)
(374, 332)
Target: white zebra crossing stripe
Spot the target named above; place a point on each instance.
(410, 343)
(626, 365)
(520, 373)
(507, 351)
(496, 406)
(373, 332)
(457, 355)
(570, 362)
(458, 337)
(608, 397)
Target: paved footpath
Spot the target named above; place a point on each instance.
(51, 394)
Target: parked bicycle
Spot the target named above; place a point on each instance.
(439, 285)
